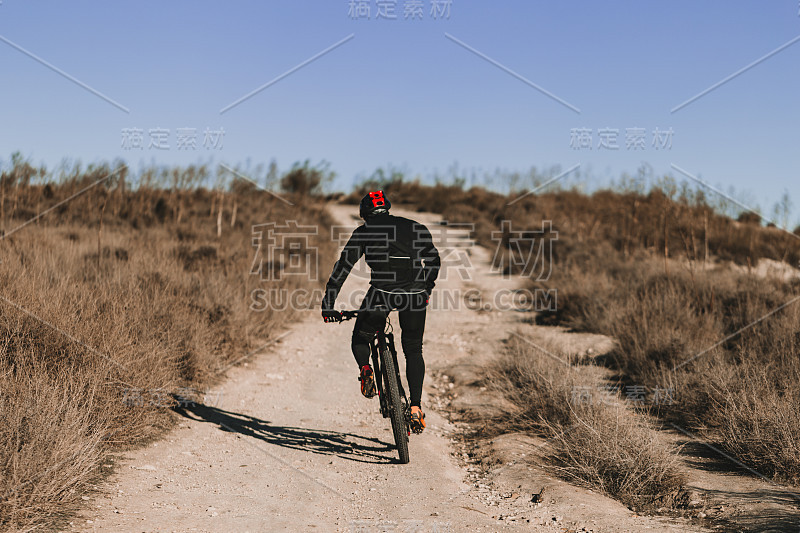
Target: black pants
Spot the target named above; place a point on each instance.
(411, 310)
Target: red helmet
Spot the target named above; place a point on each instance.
(374, 203)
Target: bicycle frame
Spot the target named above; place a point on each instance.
(385, 339)
(382, 341)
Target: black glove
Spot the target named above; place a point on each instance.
(329, 315)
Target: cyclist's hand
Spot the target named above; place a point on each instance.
(330, 315)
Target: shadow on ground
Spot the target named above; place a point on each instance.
(762, 511)
(771, 507)
(345, 445)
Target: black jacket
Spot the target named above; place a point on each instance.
(399, 252)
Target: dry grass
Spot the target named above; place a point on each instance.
(680, 222)
(651, 269)
(601, 444)
(109, 306)
(742, 393)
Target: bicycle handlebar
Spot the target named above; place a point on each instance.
(347, 315)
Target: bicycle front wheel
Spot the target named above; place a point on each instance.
(395, 406)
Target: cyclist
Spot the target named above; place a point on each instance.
(404, 265)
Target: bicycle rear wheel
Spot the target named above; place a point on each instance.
(395, 405)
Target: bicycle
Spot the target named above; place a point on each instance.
(393, 405)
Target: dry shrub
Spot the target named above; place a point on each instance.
(760, 426)
(626, 221)
(609, 270)
(741, 392)
(600, 444)
(757, 398)
(51, 441)
(608, 448)
(100, 327)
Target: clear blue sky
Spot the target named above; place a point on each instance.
(400, 92)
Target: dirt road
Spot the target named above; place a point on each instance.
(288, 444)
